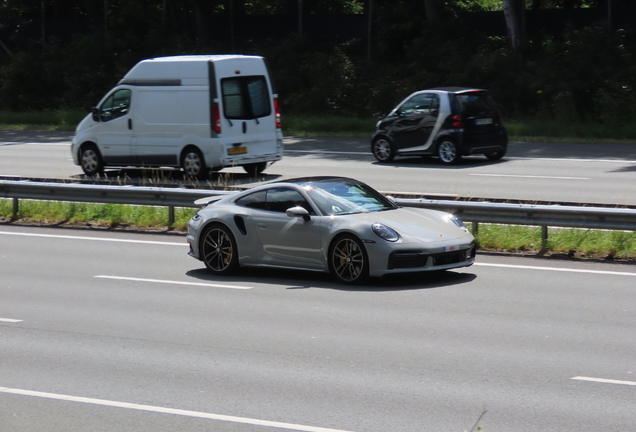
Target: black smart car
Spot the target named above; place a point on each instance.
(448, 122)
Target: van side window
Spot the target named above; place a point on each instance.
(115, 106)
(245, 98)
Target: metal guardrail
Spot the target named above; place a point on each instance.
(469, 211)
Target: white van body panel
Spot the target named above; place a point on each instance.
(170, 108)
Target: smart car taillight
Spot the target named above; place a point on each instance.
(277, 113)
(216, 118)
(457, 121)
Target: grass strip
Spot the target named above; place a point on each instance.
(574, 243)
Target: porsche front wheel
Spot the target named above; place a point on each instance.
(218, 250)
(348, 260)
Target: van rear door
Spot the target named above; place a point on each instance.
(248, 128)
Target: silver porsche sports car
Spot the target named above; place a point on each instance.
(329, 224)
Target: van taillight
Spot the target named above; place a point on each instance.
(216, 118)
(457, 121)
(277, 113)
(500, 117)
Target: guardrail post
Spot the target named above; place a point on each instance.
(170, 216)
(16, 208)
(544, 236)
(475, 228)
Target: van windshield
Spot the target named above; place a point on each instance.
(245, 98)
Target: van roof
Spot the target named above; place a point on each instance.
(200, 57)
(186, 68)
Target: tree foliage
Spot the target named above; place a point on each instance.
(68, 53)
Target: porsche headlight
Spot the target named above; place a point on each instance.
(457, 221)
(384, 232)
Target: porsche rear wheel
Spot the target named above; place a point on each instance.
(348, 260)
(218, 250)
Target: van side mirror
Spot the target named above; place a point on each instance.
(298, 211)
(95, 112)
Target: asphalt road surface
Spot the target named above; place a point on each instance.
(112, 331)
(553, 172)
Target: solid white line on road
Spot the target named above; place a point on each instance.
(530, 176)
(133, 279)
(9, 320)
(329, 152)
(605, 381)
(156, 409)
(557, 269)
(94, 238)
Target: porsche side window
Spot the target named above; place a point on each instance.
(280, 199)
(117, 105)
(255, 200)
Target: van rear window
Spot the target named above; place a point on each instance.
(245, 98)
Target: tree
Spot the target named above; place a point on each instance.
(513, 11)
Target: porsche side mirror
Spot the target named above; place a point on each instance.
(298, 212)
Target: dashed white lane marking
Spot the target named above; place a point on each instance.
(156, 409)
(10, 320)
(558, 269)
(530, 176)
(94, 238)
(605, 381)
(133, 279)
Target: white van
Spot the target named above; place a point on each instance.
(198, 113)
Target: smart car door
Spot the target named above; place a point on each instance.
(417, 118)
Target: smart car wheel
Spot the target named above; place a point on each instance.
(496, 155)
(383, 150)
(255, 169)
(447, 152)
(193, 164)
(218, 250)
(91, 160)
(348, 260)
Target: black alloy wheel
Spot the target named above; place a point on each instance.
(348, 260)
(218, 250)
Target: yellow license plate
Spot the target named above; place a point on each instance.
(237, 150)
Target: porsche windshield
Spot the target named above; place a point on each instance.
(346, 197)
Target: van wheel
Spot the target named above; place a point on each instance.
(448, 152)
(193, 164)
(91, 160)
(255, 169)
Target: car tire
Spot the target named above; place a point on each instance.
(91, 160)
(383, 150)
(255, 169)
(447, 152)
(218, 249)
(193, 164)
(495, 155)
(348, 260)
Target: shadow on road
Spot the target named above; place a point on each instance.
(297, 279)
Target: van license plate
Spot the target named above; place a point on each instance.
(483, 121)
(237, 150)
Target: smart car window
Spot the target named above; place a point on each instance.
(245, 98)
(475, 103)
(420, 104)
(281, 199)
(117, 105)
